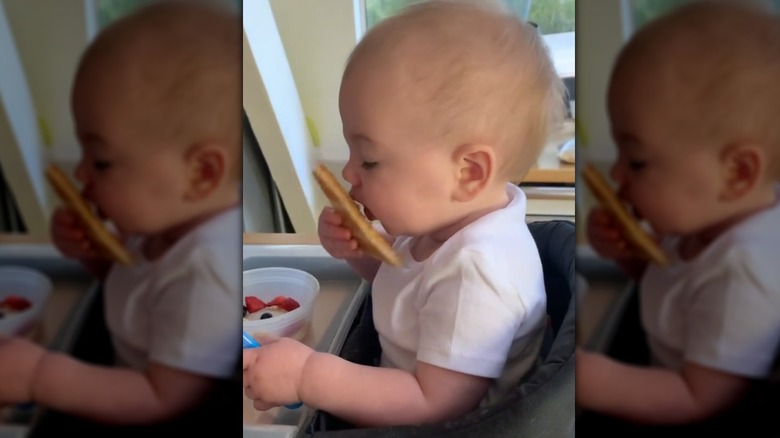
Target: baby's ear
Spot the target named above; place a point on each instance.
(475, 166)
(743, 168)
(206, 168)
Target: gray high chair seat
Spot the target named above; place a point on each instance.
(541, 405)
(622, 338)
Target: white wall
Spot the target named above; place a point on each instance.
(599, 39)
(40, 42)
(292, 72)
(50, 36)
(318, 37)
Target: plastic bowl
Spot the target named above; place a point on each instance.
(268, 283)
(27, 283)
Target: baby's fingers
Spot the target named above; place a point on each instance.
(330, 216)
(333, 232)
(343, 248)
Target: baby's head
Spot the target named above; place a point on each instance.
(692, 102)
(441, 105)
(157, 107)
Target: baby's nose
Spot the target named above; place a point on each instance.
(82, 173)
(350, 174)
(84, 176)
(617, 172)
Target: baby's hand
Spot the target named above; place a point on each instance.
(606, 237)
(335, 238)
(19, 359)
(273, 372)
(70, 236)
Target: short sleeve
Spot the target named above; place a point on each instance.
(733, 322)
(196, 317)
(470, 316)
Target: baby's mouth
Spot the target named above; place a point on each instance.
(369, 215)
(634, 212)
(362, 207)
(366, 211)
(100, 213)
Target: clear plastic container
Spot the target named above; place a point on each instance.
(268, 283)
(27, 283)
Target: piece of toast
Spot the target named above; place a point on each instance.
(635, 234)
(97, 231)
(369, 240)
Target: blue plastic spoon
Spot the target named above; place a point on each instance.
(249, 342)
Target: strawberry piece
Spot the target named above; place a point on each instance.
(290, 304)
(277, 301)
(15, 303)
(286, 303)
(253, 304)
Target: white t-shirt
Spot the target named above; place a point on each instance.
(477, 305)
(181, 310)
(722, 309)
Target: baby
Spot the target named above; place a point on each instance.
(156, 103)
(692, 101)
(440, 105)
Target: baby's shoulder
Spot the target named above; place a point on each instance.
(744, 260)
(215, 238)
(495, 242)
(502, 257)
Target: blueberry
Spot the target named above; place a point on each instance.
(265, 315)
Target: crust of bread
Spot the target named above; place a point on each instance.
(97, 231)
(369, 240)
(648, 248)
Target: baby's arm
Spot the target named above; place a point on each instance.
(363, 395)
(116, 395)
(372, 396)
(654, 395)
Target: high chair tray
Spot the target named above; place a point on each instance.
(341, 294)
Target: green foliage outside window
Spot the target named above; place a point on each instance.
(110, 10)
(377, 10)
(552, 16)
(646, 10)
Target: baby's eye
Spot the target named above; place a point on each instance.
(368, 165)
(636, 164)
(101, 164)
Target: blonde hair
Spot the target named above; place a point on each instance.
(721, 57)
(185, 57)
(491, 75)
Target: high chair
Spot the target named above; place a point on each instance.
(542, 403)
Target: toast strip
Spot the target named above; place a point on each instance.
(631, 229)
(71, 197)
(369, 240)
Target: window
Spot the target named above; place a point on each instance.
(551, 16)
(643, 11)
(110, 10)
(377, 10)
